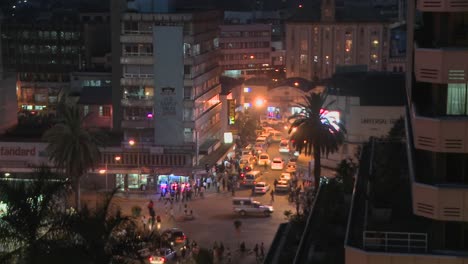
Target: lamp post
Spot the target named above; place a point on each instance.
(132, 143)
(105, 171)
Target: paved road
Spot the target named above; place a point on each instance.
(214, 219)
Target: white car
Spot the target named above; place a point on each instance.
(259, 148)
(285, 176)
(282, 186)
(284, 146)
(277, 164)
(261, 139)
(262, 187)
(263, 159)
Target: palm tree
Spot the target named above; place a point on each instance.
(32, 222)
(314, 133)
(72, 147)
(102, 235)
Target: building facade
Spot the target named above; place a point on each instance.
(317, 45)
(437, 144)
(44, 49)
(169, 80)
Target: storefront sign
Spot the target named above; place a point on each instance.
(18, 151)
(378, 121)
(231, 111)
(228, 138)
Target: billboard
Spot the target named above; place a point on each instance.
(231, 111)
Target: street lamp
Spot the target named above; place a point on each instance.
(104, 171)
(132, 142)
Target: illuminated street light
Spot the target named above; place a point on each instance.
(102, 171)
(259, 102)
(131, 142)
(296, 84)
(117, 158)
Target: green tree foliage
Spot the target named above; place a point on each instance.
(315, 134)
(30, 228)
(73, 147)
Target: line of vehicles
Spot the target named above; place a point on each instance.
(254, 160)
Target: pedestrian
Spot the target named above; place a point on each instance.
(262, 250)
(208, 182)
(224, 185)
(144, 221)
(221, 249)
(218, 185)
(228, 255)
(272, 193)
(265, 165)
(275, 182)
(150, 206)
(171, 214)
(256, 250)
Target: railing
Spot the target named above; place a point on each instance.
(138, 75)
(136, 54)
(394, 241)
(137, 32)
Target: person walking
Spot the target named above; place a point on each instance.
(150, 206)
(256, 250)
(262, 251)
(144, 222)
(272, 193)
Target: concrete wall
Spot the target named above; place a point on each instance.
(169, 85)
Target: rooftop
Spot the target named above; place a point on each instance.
(373, 88)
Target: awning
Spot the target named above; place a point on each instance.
(205, 148)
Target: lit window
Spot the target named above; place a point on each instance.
(247, 89)
(85, 110)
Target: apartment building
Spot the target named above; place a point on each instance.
(252, 43)
(169, 77)
(435, 230)
(319, 40)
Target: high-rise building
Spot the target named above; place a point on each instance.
(438, 106)
(434, 226)
(318, 43)
(168, 81)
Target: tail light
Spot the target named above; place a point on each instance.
(163, 260)
(150, 259)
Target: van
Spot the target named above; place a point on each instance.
(251, 178)
(246, 205)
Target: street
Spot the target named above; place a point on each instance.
(214, 217)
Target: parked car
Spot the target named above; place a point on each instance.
(262, 187)
(263, 159)
(291, 168)
(277, 164)
(174, 236)
(283, 146)
(277, 136)
(161, 256)
(244, 164)
(282, 186)
(285, 176)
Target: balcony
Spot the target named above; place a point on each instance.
(141, 102)
(134, 38)
(444, 203)
(137, 123)
(142, 59)
(135, 80)
(440, 134)
(441, 65)
(443, 5)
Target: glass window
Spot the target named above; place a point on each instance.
(456, 99)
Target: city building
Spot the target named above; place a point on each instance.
(44, 47)
(167, 81)
(95, 104)
(320, 39)
(434, 227)
(252, 43)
